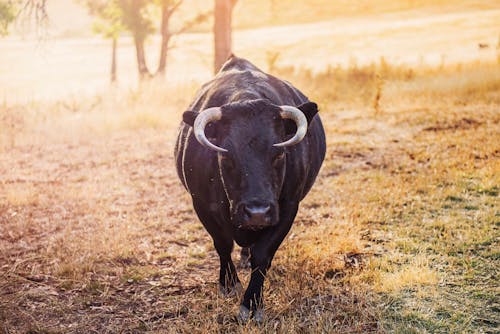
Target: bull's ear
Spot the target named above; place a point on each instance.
(310, 109)
(189, 116)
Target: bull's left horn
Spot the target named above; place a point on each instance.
(201, 121)
(300, 120)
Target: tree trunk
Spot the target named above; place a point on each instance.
(113, 60)
(165, 39)
(162, 66)
(141, 58)
(222, 32)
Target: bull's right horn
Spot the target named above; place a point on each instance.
(201, 121)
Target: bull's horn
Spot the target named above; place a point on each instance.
(201, 121)
(300, 120)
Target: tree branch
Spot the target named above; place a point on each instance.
(195, 21)
(175, 7)
(33, 9)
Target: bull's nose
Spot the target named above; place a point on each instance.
(258, 214)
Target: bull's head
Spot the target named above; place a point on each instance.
(251, 140)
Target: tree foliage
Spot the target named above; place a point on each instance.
(108, 17)
(7, 15)
(109, 23)
(138, 17)
(22, 10)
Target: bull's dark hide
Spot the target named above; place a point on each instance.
(249, 192)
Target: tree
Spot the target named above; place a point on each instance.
(12, 10)
(222, 31)
(167, 9)
(7, 16)
(138, 18)
(109, 24)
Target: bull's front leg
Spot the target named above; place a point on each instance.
(229, 283)
(262, 253)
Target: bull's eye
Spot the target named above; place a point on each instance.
(278, 158)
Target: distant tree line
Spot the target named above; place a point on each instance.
(138, 18)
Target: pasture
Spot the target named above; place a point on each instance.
(399, 234)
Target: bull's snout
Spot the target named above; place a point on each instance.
(256, 216)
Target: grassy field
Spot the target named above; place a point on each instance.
(400, 233)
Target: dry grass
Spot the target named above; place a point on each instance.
(414, 274)
(400, 233)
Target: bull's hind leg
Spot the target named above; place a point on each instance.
(245, 258)
(229, 283)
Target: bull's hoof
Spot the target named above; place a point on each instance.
(246, 315)
(231, 291)
(258, 316)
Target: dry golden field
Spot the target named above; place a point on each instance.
(400, 233)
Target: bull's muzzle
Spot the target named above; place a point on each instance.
(256, 217)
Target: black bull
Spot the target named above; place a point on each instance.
(244, 187)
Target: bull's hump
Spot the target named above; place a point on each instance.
(235, 63)
(245, 74)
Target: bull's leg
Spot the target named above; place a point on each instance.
(262, 254)
(229, 282)
(245, 257)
